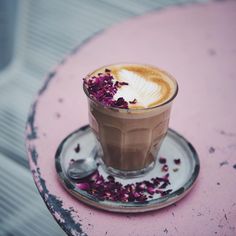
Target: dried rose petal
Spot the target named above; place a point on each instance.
(124, 197)
(164, 193)
(120, 103)
(94, 176)
(130, 188)
(163, 179)
(110, 178)
(166, 176)
(142, 198)
(123, 83)
(83, 186)
(162, 160)
(141, 187)
(107, 70)
(137, 195)
(77, 149)
(158, 191)
(102, 88)
(155, 181)
(151, 190)
(109, 189)
(164, 185)
(134, 101)
(177, 161)
(149, 184)
(165, 168)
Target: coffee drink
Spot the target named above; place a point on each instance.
(129, 110)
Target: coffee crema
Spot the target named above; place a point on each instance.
(130, 86)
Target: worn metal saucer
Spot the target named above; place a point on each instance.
(182, 176)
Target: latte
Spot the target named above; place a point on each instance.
(129, 110)
(141, 86)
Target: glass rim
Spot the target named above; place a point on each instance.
(136, 109)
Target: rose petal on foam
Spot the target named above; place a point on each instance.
(120, 103)
(123, 83)
(134, 101)
(107, 70)
(102, 88)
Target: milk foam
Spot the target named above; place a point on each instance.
(144, 91)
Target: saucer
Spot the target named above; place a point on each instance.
(176, 170)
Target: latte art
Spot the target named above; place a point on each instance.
(130, 86)
(144, 91)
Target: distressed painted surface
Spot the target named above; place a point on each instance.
(195, 43)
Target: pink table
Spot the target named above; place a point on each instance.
(197, 44)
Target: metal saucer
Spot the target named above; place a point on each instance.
(182, 177)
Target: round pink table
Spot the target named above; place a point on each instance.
(197, 44)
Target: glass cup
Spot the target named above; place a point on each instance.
(130, 138)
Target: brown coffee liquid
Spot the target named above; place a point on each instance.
(129, 144)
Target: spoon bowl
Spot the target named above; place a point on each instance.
(82, 167)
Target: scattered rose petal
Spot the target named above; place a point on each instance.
(111, 178)
(162, 160)
(58, 115)
(137, 195)
(77, 149)
(109, 189)
(60, 100)
(150, 190)
(165, 168)
(120, 103)
(107, 70)
(177, 161)
(94, 176)
(142, 198)
(164, 193)
(83, 186)
(166, 230)
(164, 185)
(134, 101)
(224, 163)
(158, 191)
(123, 83)
(211, 150)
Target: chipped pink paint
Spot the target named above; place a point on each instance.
(196, 43)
